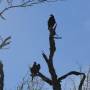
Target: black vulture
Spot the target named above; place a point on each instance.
(51, 22)
(33, 68)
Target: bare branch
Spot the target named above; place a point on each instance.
(27, 83)
(24, 3)
(46, 79)
(45, 57)
(5, 42)
(2, 16)
(74, 73)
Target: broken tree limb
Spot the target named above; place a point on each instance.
(45, 57)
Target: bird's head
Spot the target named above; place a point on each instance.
(35, 63)
(51, 15)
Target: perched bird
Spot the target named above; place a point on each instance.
(52, 27)
(51, 22)
(35, 69)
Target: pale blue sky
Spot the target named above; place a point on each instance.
(28, 28)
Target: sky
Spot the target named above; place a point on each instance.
(29, 32)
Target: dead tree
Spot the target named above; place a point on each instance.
(1, 76)
(55, 81)
(4, 42)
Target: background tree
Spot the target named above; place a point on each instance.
(9, 4)
(28, 84)
(1, 76)
(55, 81)
(86, 85)
(4, 42)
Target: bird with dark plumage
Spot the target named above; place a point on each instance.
(51, 22)
(35, 69)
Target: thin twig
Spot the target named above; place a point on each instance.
(24, 4)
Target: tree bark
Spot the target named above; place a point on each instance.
(57, 86)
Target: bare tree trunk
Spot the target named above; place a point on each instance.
(1, 76)
(56, 86)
